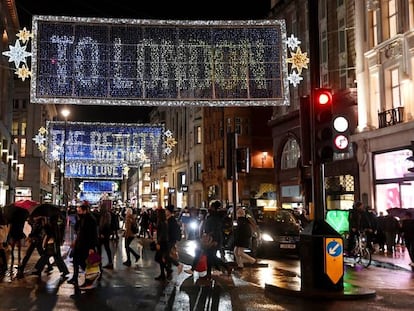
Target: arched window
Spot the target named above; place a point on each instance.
(290, 154)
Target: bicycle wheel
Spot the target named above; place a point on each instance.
(364, 257)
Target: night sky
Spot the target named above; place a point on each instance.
(139, 9)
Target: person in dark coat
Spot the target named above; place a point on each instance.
(105, 233)
(242, 239)
(50, 245)
(174, 230)
(358, 222)
(214, 227)
(162, 243)
(407, 229)
(86, 241)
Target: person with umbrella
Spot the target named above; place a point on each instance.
(16, 217)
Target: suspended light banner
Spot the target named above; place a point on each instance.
(106, 61)
(99, 150)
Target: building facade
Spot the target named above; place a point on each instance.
(334, 67)
(385, 50)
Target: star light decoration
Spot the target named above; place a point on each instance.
(169, 142)
(298, 59)
(40, 139)
(17, 54)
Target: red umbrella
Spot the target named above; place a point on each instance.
(26, 204)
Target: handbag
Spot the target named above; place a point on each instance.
(201, 264)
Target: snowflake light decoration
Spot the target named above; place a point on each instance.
(169, 141)
(40, 139)
(298, 60)
(17, 54)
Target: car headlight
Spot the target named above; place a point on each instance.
(193, 225)
(267, 237)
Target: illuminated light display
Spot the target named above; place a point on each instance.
(105, 61)
(99, 150)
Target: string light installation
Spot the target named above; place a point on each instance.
(298, 60)
(106, 61)
(100, 150)
(18, 54)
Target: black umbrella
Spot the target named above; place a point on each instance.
(46, 210)
(15, 214)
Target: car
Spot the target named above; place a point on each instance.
(280, 233)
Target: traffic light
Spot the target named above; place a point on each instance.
(322, 109)
(340, 134)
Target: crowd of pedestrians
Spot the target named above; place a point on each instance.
(385, 234)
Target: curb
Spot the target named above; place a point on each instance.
(348, 293)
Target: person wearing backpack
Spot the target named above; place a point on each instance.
(174, 235)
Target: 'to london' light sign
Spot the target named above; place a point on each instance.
(105, 61)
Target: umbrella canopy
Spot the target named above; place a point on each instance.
(45, 210)
(400, 212)
(26, 204)
(15, 214)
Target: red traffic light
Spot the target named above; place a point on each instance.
(323, 97)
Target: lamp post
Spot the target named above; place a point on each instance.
(65, 113)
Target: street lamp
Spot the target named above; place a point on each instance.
(65, 113)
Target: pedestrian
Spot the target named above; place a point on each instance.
(174, 235)
(358, 223)
(162, 243)
(213, 228)
(242, 239)
(35, 239)
(407, 229)
(105, 233)
(380, 232)
(15, 237)
(86, 241)
(129, 236)
(144, 223)
(50, 245)
(391, 228)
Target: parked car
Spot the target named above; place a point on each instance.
(280, 233)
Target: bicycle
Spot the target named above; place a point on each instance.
(360, 253)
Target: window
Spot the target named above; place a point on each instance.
(23, 127)
(392, 18)
(290, 154)
(15, 128)
(197, 133)
(22, 147)
(341, 36)
(197, 171)
(393, 85)
(20, 172)
(237, 125)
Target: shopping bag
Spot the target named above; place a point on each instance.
(202, 263)
(94, 259)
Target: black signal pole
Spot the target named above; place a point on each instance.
(317, 168)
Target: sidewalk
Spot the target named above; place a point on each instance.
(398, 260)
